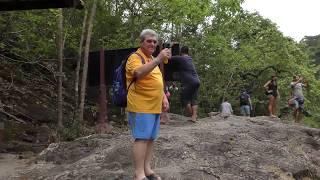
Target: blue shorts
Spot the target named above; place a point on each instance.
(245, 110)
(144, 126)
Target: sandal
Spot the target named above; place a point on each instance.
(145, 178)
(154, 177)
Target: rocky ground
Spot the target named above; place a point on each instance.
(214, 148)
(10, 163)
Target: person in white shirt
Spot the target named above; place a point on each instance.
(226, 109)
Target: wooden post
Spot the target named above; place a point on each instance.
(102, 126)
(1, 132)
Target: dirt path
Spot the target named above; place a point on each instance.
(9, 163)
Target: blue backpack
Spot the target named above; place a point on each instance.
(119, 88)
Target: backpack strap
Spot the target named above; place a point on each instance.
(142, 59)
(143, 62)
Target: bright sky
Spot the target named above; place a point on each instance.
(295, 18)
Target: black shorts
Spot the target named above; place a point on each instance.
(271, 93)
(189, 94)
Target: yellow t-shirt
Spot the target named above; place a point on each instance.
(145, 94)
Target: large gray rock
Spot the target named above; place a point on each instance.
(214, 148)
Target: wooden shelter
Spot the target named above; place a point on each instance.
(10, 5)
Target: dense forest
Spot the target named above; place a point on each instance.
(232, 50)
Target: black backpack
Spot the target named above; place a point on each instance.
(244, 99)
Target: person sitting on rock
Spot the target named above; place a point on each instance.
(226, 109)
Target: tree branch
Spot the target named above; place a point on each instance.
(13, 116)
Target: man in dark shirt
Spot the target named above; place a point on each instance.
(189, 81)
(245, 103)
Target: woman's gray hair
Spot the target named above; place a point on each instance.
(147, 32)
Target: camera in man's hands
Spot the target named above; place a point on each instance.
(174, 46)
(166, 45)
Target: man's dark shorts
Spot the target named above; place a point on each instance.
(189, 94)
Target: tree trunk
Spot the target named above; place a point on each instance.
(227, 87)
(60, 74)
(85, 59)
(1, 132)
(132, 38)
(77, 73)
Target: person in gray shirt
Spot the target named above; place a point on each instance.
(297, 98)
(226, 109)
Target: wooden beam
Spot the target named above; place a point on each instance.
(10, 5)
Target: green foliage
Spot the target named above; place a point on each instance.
(29, 34)
(73, 131)
(312, 43)
(313, 121)
(232, 49)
